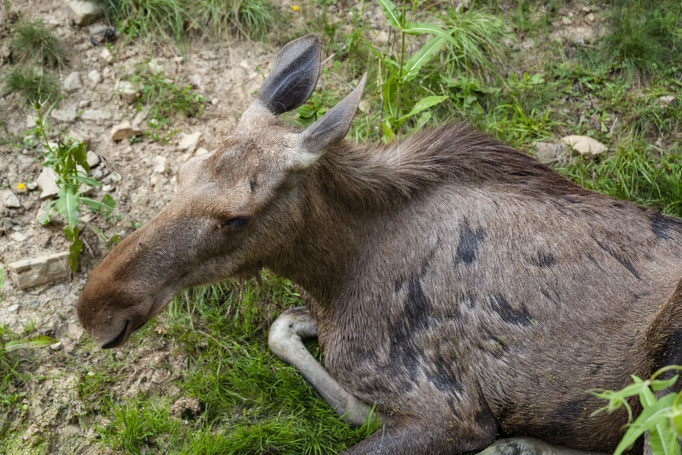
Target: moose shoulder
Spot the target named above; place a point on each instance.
(461, 286)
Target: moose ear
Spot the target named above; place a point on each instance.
(333, 125)
(293, 76)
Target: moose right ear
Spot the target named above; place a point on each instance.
(293, 77)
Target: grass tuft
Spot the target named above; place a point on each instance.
(35, 85)
(645, 38)
(34, 42)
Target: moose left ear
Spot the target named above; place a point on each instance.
(333, 125)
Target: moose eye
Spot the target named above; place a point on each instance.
(238, 223)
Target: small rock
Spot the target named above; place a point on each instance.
(124, 130)
(139, 117)
(160, 164)
(189, 142)
(590, 17)
(56, 346)
(214, 101)
(84, 13)
(13, 309)
(17, 236)
(72, 82)
(106, 55)
(94, 77)
(47, 181)
(93, 159)
(108, 188)
(84, 103)
(201, 151)
(548, 152)
(155, 66)
(80, 137)
(566, 20)
(584, 145)
(28, 273)
(115, 177)
(666, 99)
(9, 199)
(31, 186)
(96, 115)
(68, 114)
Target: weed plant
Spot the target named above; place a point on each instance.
(68, 159)
(34, 84)
(32, 41)
(163, 97)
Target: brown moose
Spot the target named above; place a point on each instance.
(460, 286)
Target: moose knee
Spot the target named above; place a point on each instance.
(287, 331)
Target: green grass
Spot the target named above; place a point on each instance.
(32, 41)
(34, 84)
(252, 402)
(160, 20)
(644, 38)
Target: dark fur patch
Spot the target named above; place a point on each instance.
(469, 242)
(544, 259)
(573, 410)
(623, 261)
(509, 314)
(661, 226)
(673, 350)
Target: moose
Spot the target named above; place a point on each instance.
(459, 287)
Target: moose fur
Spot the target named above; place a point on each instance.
(461, 286)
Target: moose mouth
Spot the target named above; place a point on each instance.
(121, 338)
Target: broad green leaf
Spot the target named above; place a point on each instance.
(659, 384)
(26, 343)
(423, 119)
(418, 28)
(67, 205)
(389, 91)
(424, 104)
(421, 57)
(650, 419)
(391, 13)
(87, 180)
(103, 207)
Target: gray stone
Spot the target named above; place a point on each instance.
(47, 181)
(666, 100)
(9, 199)
(139, 117)
(124, 130)
(106, 55)
(160, 164)
(13, 308)
(31, 272)
(108, 188)
(96, 115)
(189, 142)
(115, 177)
(93, 159)
(72, 82)
(584, 145)
(84, 13)
(17, 236)
(548, 152)
(68, 114)
(95, 77)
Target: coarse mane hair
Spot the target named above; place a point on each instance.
(378, 175)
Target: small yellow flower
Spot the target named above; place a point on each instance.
(295, 8)
(21, 186)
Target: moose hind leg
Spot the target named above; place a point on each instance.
(285, 341)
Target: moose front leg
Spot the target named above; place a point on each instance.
(529, 446)
(285, 341)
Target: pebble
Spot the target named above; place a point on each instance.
(584, 145)
(68, 114)
(13, 308)
(108, 188)
(94, 77)
(72, 82)
(84, 13)
(96, 115)
(160, 164)
(17, 236)
(189, 142)
(10, 200)
(93, 159)
(47, 181)
(106, 55)
(124, 130)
